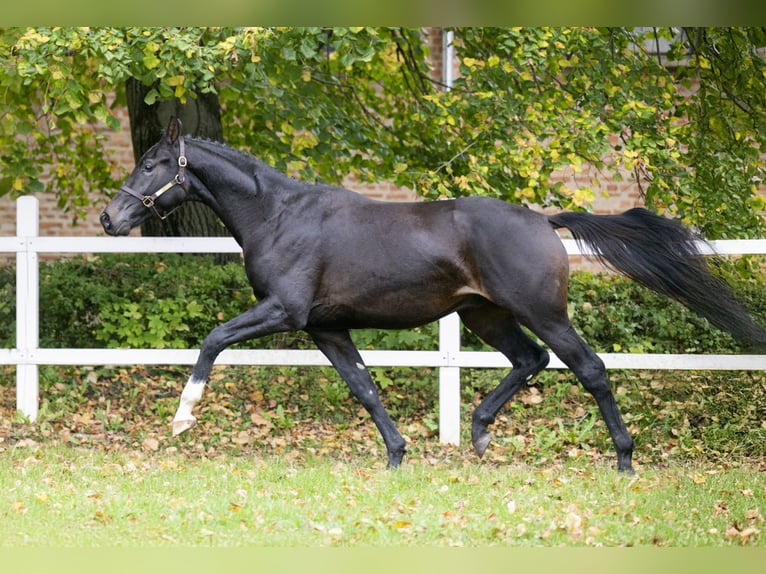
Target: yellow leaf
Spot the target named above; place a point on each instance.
(583, 196)
(20, 507)
(748, 533)
(175, 80)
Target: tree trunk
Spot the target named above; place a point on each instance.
(201, 116)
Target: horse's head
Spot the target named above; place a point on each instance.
(157, 185)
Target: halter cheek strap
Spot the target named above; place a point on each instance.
(179, 179)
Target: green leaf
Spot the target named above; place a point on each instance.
(151, 97)
(151, 61)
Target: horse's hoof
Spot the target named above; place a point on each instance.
(481, 443)
(184, 425)
(395, 459)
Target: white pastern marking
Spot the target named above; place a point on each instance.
(190, 396)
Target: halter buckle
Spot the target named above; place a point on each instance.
(148, 201)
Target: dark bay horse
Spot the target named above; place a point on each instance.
(326, 260)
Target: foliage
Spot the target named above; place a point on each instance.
(615, 314)
(131, 300)
(538, 115)
(7, 306)
(593, 104)
(173, 301)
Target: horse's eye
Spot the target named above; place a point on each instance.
(148, 166)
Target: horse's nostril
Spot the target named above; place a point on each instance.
(106, 221)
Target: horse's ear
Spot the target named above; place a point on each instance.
(174, 130)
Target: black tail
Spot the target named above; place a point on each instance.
(661, 254)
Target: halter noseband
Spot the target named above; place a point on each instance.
(179, 179)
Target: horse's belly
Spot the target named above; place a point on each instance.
(388, 312)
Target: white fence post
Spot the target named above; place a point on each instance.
(27, 306)
(449, 380)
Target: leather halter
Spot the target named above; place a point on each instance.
(179, 179)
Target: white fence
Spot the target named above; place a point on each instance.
(448, 358)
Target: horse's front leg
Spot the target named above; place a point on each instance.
(265, 318)
(344, 356)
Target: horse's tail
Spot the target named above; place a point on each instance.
(663, 255)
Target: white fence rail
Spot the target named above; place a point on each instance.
(448, 358)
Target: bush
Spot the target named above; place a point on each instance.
(134, 300)
(163, 301)
(7, 306)
(616, 314)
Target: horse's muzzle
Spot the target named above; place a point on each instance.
(109, 227)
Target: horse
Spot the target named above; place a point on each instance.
(326, 260)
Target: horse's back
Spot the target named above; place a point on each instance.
(496, 226)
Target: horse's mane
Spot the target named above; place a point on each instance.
(222, 146)
(260, 170)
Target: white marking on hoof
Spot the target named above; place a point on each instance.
(191, 395)
(181, 426)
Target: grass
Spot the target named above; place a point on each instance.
(73, 497)
(284, 458)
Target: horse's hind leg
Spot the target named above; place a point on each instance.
(589, 369)
(343, 354)
(499, 329)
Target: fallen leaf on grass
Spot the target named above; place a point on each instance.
(242, 438)
(102, 518)
(753, 514)
(151, 444)
(259, 420)
(733, 533)
(532, 396)
(20, 507)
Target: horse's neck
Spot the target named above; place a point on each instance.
(239, 188)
